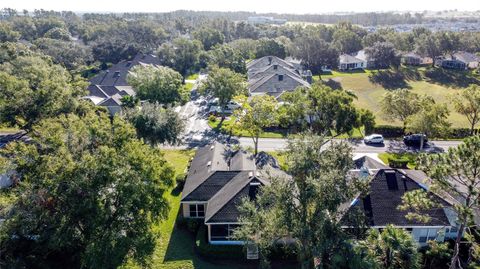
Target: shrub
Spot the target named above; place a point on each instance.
(398, 163)
(231, 252)
(212, 118)
(180, 180)
(388, 131)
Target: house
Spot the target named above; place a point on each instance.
(471, 60)
(274, 76)
(411, 59)
(380, 205)
(450, 62)
(109, 86)
(349, 62)
(217, 181)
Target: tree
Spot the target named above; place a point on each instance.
(227, 57)
(331, 110)
(33, 88)
(347, 41)
(156, 124)
(89, 194)
(315, 53)
(58, 33)
(156, 83)
(467, 103)
(392, 248)
(270, 47)
(246, 47)
(366, 120)
(427, 45)
(69, 54)
(306, 207)
(399, 105)
(7, 34)
(224, 84)
(431, 119)
(113, 50)
(455, 173)
(209, 37)
(181, 55)
(383, 55)
(257, 114)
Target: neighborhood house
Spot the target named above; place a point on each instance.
(220, 177)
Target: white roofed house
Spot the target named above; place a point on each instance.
(349, 62)
(109, 86)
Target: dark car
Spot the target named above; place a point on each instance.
(415, 140)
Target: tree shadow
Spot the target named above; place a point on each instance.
(333, 84)
(389, 79)
(451, 78)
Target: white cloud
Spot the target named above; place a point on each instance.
(279, 6)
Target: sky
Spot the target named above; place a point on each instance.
(259, 6)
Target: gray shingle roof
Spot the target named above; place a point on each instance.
(369, 163)
(385, 195)
(346, 59)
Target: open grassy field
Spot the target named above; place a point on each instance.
(369, 94)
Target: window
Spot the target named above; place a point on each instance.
(197, 211)
(222, 232)
(423, 234)
(280, 77)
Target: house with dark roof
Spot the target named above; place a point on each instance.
(274, 76)
(380, 205)
(471, 60)
(450, 61)
(217, 181)
(109, 86)
(411, 58)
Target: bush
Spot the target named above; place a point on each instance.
(180, 180)
(189, 224)
(212, 118)
(459, 133)
(398, 163)
(388, 131)
(207, 250)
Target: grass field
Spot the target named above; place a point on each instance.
(370, 94)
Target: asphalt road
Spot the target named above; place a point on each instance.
(273, 144)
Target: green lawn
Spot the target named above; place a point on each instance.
(192, 77)
(410, 157)
(370, 94)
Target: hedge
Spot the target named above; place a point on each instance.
(203, 248)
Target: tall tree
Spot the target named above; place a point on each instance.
(306, 207)
(427, 45)
(257, 114)
(431, 119)
(315, 53)
(156, 83)
(209, 37)
(455, 173)
(32, 88)
(227, 57)
(89, 194)
(347, 41)
(383, 55)
(181, 55)
(223, 84)
(270, 47)
(156, 124)
(399, 105)
(467, 103)
(392, 248)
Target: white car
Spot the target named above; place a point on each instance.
(373, 139)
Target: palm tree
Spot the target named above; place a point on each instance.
(391, 248)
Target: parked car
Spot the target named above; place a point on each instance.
(415, 140)
(373, 139)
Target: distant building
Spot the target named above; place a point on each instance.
(411, 59)
(349, 62)
(471, 60)
(274, 76)
(108, 87)
(265, 20)
(450, 62)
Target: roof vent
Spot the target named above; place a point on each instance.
(250, 174)
(116, 74)
(209, 163)
(212, 147)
